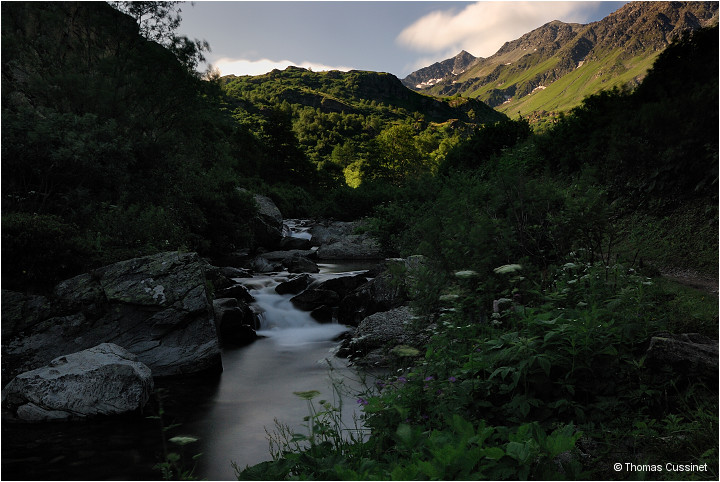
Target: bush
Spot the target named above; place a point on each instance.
(39, 250)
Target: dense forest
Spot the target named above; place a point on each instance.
(114, 146)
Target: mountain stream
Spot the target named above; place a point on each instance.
(228, 413)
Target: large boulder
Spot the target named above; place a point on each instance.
(383, 293)
(378, 335)
(311, 299)
(343, 285)
(260, 264)
(289, 242)
(328, 232)
(294, 285)
(351, 246)
(300, 264)
(267, 225)
(103, 380)
(690, 354)
(156, 307)
(235, 322)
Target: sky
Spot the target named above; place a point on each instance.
(254, 37)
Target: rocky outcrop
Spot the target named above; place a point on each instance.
(103, 380)
(690, 354)
(157, 307)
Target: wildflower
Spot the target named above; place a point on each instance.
(452, 379)
(402, 379)
(427, 379)
(362, 401)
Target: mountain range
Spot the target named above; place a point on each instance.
(555, 66)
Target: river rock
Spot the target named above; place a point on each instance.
(294, 285)
(343, 285)
(290, 242)
(103, 380)
(20, 311)
(311, 298)
(376, 335)
(237, 291)
(351, 246)
(300, 264)
(283, 255)
(231, 272)
(235, 321)
(383, 293)
(261, 265)
(330, 231)
(267, 224)
(323, 314)
(156, 307)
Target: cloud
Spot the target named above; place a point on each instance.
(229, 66)
(483, 27)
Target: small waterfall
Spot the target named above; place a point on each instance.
(280, 320)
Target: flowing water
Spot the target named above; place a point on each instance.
(294, 355)
(229, 413)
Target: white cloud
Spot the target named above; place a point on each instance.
(229, 66)
(483, 27)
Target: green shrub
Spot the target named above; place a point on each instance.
(39, 250)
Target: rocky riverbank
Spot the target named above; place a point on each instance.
(169, 314)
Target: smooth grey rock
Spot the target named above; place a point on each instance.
(294, 285)
(103, 380)
(156, 307)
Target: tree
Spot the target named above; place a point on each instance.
(158, 22)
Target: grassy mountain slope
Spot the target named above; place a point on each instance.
(355, 92)
(350, 125)
(555, 66)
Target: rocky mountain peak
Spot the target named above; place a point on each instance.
(618, 49)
